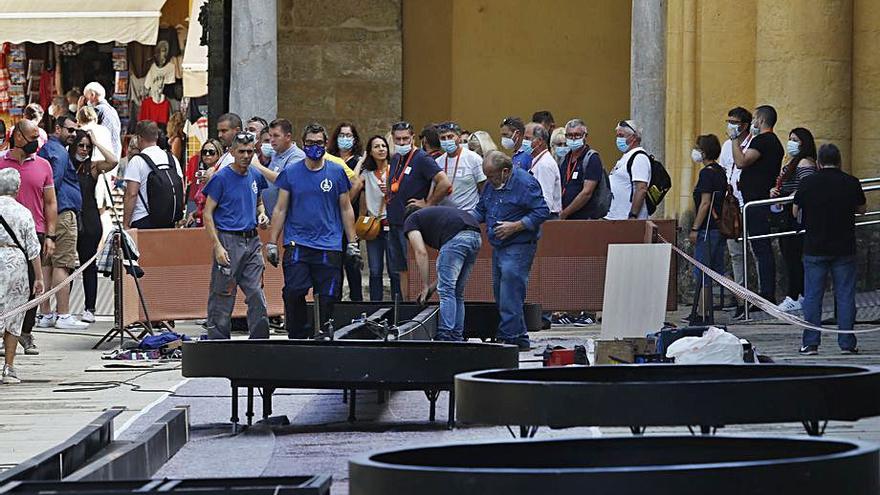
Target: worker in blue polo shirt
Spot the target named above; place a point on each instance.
(513, 132)
(232, 211)
(314, 208)
(513, 208)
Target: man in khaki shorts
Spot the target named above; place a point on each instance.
(65, 259)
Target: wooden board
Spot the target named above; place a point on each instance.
(636, 281)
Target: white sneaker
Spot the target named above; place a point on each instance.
(69, 322)
(87, 316)
(788, 305)
(46, 321)
(9, 375)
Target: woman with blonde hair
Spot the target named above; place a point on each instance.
(481, 143)
(176, 137)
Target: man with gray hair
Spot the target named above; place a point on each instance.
(95, 96)
(581, 172)
(631, 175)
(544, 168)
(513, 208)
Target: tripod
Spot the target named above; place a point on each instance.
(121, 252)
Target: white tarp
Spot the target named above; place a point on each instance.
(195, 56)
(80, 21)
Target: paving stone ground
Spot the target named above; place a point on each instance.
(39, 413)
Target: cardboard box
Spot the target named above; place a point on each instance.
(624, 351)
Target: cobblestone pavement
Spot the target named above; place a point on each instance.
(36, 414)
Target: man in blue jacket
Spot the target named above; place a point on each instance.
(513, 208)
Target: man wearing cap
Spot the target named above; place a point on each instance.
(462, 167)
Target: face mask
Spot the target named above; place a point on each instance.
(72, 107)
(793, 148)
(267, 150)
(526, 145)
(732, 130)
(507, 143)
(755, 130)
(314, 152)
(503, 181)
(345, 142)
(30, 148)
(575, 144)
(621, 144)
(561, 151)
(696, 155)
(81, 158)
(403, 149)
(448, 145)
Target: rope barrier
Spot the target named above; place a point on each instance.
(33, 303)
(763, 304)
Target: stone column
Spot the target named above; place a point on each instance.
(648, 73)
(803, 67)
(866, 92)
(254, 68)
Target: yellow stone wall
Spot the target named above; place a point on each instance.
(816, 61)
(477, 61)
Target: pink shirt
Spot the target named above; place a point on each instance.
(36, 176)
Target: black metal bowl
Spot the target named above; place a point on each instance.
(623, 466)
(667, 395)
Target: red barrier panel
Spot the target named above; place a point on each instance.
(568, 273)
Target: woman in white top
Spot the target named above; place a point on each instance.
(374, 172)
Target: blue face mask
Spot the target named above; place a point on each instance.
(561, 151)
(575, 144)
(267, 150)
(621, 144)
(448, 146)
(403, 149)
(345, 142)
(526, 145)
(314, 151)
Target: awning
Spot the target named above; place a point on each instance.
(80, 21)
(195, 56)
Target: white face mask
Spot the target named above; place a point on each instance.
(696, 155)
(507, 143)
(732, 130)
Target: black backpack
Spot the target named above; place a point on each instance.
(660, 183)
(165, 205)
(600, 201)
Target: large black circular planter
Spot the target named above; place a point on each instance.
(668, 395)
(624, 466)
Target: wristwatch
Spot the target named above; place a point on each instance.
(633, 215)
(52, 237)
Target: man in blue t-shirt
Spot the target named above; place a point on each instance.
(580, 170)
(409, 182)
(314, 208)
(232, 211)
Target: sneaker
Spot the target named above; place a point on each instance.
(9, 375)
(789, 305)
(87, 316)
(854, 350)
(27, 342)
(560, 319)
(46, 321)
(584, 319)
(809, 350)
(69, 322)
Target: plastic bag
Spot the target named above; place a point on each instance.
(715, 347)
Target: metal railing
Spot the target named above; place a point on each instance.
(784, 201)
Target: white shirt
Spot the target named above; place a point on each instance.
(103, 136)
(726, 161)
(465, 172)
(546, 171)
(622, 185)
(137, 170)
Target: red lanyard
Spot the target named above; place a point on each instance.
(536, 160)
(572, 161)
(397, 178)
(455, 167)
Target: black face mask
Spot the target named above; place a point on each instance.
(30, 148)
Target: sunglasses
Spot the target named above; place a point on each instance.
(70, 129)
(624, 123)
(84, 146)
(209, 152)
(245, 138)
(401, 126)
(447, 126)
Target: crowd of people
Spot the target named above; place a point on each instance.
(392, 191)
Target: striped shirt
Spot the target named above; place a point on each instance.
(108, 118)
(791, 185)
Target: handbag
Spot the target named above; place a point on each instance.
(368, 227)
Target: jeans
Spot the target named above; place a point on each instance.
(511, 265)
(379, 256)
(792, 249)
(843, 275)
(758, 223)
(454, 265)
(710, 252)
(397, 249)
